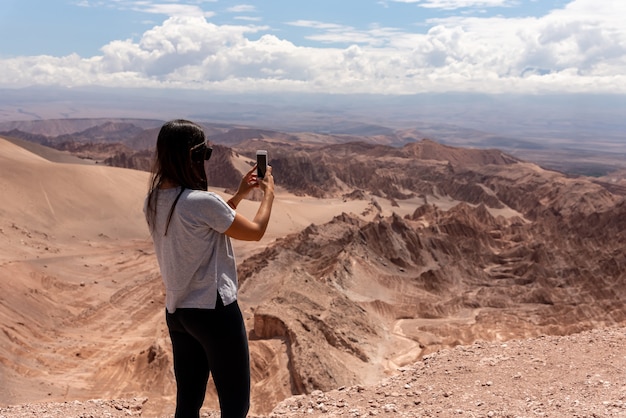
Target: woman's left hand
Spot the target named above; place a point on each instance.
(248, 182)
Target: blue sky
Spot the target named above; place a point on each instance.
(337, 46)
(62, 27)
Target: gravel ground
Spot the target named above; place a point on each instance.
(581, 375)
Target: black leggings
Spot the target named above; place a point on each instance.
(210, 341)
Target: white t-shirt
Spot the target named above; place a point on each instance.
(196, 258)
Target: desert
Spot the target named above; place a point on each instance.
(418, 279)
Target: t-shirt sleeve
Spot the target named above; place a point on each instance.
(208, 209)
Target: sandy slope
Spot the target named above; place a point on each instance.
(63, 229)
(69, 199)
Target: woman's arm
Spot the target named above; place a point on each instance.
(242, 228)
(247, 183)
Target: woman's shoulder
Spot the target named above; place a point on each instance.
(198, 206)
(202, 197)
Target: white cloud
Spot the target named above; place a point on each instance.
(242, 8)
(458, 4)
(579, 48)
(174, 8)
(332, 33)
(316, 25)
(249, 18)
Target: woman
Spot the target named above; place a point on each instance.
(191, 230)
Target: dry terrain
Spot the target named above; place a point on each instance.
(440, 282)
(581, 375)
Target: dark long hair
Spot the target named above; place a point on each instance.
(173, 162)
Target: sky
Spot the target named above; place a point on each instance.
(390, 47)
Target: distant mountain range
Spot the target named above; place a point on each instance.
(128, 142)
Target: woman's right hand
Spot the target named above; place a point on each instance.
(266, 184)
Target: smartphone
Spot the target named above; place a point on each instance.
(261, 163)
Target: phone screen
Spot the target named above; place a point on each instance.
(261, 162)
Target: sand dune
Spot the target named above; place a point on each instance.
(70, 199)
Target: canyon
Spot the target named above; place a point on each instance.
(385, 255)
